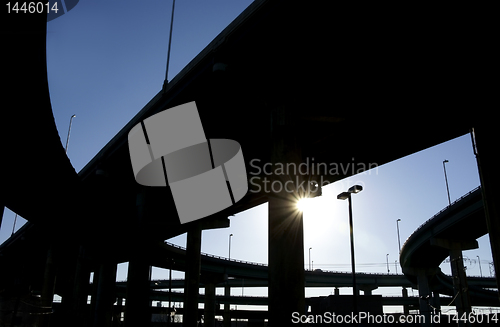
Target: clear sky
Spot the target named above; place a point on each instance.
(107, 59)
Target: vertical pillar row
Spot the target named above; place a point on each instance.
(286, 280)
(486, 150)
(105, 295)
(192, 279)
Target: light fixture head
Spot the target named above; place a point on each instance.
(445, 160)
(355, 189)
(343, 195)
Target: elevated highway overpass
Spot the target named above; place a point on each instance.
(449, 232)
(287, 101)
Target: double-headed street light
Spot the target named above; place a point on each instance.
(343, 196)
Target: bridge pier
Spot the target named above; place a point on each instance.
(227, 308)
(137, 303)
(192, 279)
(286, 288)
(367, 289)
(2, 208)
(460, 289)
(137, 310)
(210, 280)
(105, 295)
(74, 300)
(486, 150)
(209, 311)
(406, 307)
(424, 292)
(48, 286)
(118, 312)
(436, 302)
(286, 260)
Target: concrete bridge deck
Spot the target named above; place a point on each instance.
(287, 101)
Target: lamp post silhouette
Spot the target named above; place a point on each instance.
(230, 235)
(479, 262)
(399, 239)
(343, 196)
(387, 260)
(69, 131)
(446, 179)
(310, 258)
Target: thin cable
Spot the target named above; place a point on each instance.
(169, 42)
(14, 227)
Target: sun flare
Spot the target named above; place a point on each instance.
(303, 204)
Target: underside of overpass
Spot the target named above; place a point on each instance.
(291, 91)
(452, 230)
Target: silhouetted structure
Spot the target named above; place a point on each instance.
(297, 81)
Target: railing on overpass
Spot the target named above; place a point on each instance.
(265, 265)
(448, 207)
(218, 257)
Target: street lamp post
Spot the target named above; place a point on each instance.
(69, 130)
(399, 238)
(387, 260)
(479, 262)
(230, 235)
(310, 258)
(343, 196)
(14, 227)
(446, 179)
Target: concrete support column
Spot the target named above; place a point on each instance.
(210, 280)
(209, 312)
(367, 289)
(286, 260)
(118, 312)
(49, 283)
(227, 309)
(486, 151)
(105, 295)
(192, 279)
(74, 300)
(2, 208)
(137, 311)
(286, 232)
(424, 294)
(460, 288)
(406, 307)
(93, 295)
(436, 302)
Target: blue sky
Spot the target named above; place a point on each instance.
(107, 59)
